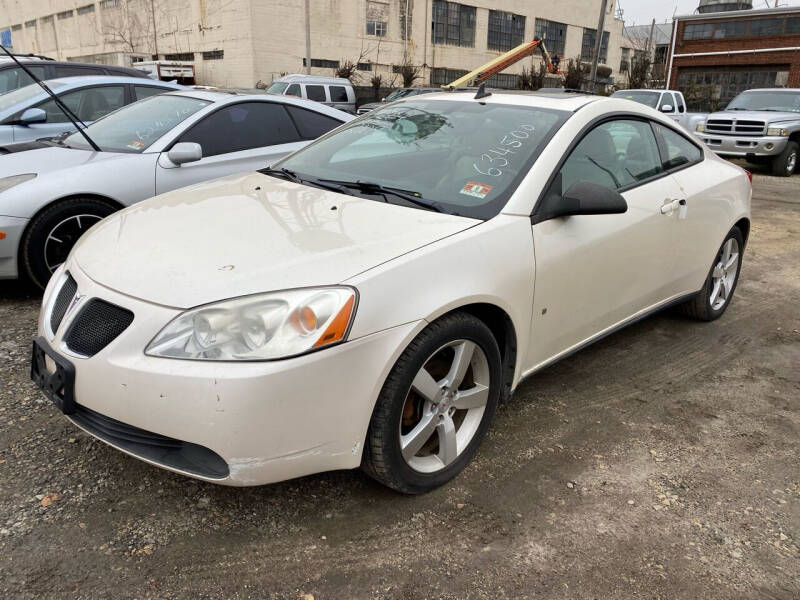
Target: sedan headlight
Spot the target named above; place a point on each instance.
(9, 182)
(701, 127)
(777, 131)
(259, 327)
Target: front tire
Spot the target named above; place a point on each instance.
(53, 233)
(721, 282)
(785, 163)
(435, 406)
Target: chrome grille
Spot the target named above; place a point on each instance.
(96, 326)
(63, 300)
(735, 127)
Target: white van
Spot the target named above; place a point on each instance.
(333, 91)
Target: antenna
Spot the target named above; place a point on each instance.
(64, 108)
(482, 93)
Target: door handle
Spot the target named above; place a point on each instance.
(670, 205)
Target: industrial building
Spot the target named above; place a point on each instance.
(239, 43)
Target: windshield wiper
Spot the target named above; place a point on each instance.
(284, 173)
(369, 187)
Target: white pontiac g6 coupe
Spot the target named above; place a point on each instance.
(369, 299)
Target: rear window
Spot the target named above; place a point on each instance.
(315, 93)
(648, 98)
(15, 78)
(338, 93)
(311, 124)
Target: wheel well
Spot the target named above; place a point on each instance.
(795, 137)
(744, 227)
(501, 326)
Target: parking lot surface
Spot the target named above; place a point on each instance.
(662, 462)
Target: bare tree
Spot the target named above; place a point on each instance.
(376, 81)
(127, 28)
(576, 73)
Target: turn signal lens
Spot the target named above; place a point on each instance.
(338, 327)
(749, 176)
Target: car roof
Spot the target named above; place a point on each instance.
(558, 101)
(301, 78)
(82, 80)
(229, 97)
(793, 90)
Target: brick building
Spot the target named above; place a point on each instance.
(714, 56)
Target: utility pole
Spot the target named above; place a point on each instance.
(308, 38)
(155, 33)
(650, 39)
(598, 42)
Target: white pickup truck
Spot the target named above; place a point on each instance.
(669, 102)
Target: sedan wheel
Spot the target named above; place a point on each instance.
(435, 406)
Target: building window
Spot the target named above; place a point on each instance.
(183, 56)
(85, 10)
(441, 76)
(16, 27)
(660, 56)
(587, 47)
(214, 55)
(31, 23)
(553, 33)
(793, 25)
(453, 24)
(710, 88)
(728, 29)
(364, 67)
(47, 19)
(625, 61)
(109, 3)
(766, 27)
(67, 14)
(376, 28)
(323, 63)
(697, 31)
(506, 30)
(503, 81)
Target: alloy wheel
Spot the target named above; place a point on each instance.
(791, 163)
(444, 407)
(723, 277)
(63, 236)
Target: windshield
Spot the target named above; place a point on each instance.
(135, 127)
(648, 98)
(774, 100)
(24, 94)
(397, 94)
(277, 88)
(467, 157)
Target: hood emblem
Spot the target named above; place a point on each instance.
(75, 301)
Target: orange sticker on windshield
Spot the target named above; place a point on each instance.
(478, 190)
(136, 145)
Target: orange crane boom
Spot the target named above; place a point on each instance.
(502, 62)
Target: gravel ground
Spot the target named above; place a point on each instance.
(661, 462)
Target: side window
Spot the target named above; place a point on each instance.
(614, 154)
(338, 93)
(667, 100)
(145, 91)
(311, 124)
(88, 104)
(681, 105)
(315, 93)
(73, 71)
(678, 149)
(242, 127)
(294, 90)
(15, 78)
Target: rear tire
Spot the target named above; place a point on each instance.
(435, 406)
(718, 289)
(53, 233)
(785, 163)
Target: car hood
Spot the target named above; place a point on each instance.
(42, 160)
(250, 233)
(762, 115)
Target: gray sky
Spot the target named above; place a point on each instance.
(641, 12)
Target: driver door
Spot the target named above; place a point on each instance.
(595, 271)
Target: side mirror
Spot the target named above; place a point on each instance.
(33, 115)
(583, 198)
(185, 152)
(667, 108)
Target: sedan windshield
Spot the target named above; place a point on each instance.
(787, 101)
(277, 88)
(135, 127)
(24, 94)
(647, 98)
(465, 158)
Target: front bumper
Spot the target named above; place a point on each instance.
(12, 229)
(268, 421)
(742, 146)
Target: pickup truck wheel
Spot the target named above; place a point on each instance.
(785, 163)
(52, 234)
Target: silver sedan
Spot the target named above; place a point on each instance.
(52, 191)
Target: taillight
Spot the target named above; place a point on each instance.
(749, 176)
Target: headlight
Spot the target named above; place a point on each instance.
(777, 131)
(259, 327)
(701, 127)
(9, 182)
